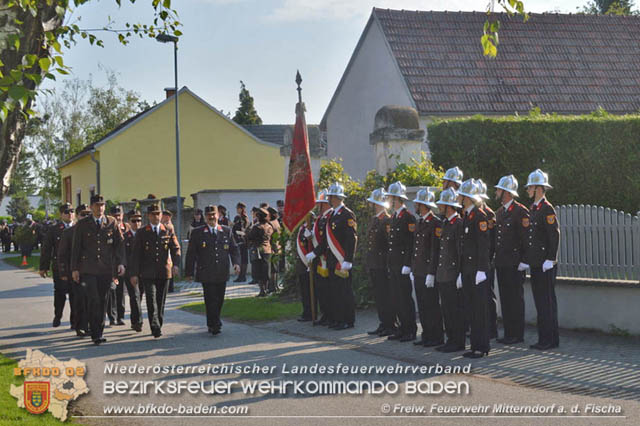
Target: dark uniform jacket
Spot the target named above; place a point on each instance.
(63, 256)
(5, 235)
(129, 240)
(259, 237)
(307, 244)
(240, 226)
(97, 250)
(403, 226)
(426, 246)
(491, 222)
(450, 255)
(49, 252)
(321, 227)
(513, 235)
(154, 253)
(475, 242)
(343, 227)
(545, 234)
(378, 241)
(208, 254)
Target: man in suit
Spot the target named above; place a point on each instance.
(115, 299)
(512, 243)
(155, 259)
(318, 260)
(97, 259)
(423, 269)
(135, 292)
(401, 234)
(543, 260)
(304, 245)
(213, 249)
(49, 260)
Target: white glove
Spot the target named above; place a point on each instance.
(346, 266)
(406, 270)
(412, 277)
(307, 233)
(547, 265)
(480, 276)
(523, 267)
(430, 281)
(459, 282)
(310, 256)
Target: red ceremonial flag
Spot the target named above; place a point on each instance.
(300, 196)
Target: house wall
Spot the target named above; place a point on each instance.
(83, 178)
(372, 81)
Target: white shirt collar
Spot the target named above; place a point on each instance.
(400, 209)
(337, 209)
(327, 213)
(538, 202)
(468, 209)
(452, 216)
(426, 216)
(133, 232)
(101, 219)
(508, 204)
(380, 214)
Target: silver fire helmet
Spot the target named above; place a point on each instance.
(538, 178)
(449, 197)
(379, 197)
(508, 183)
(454, 174)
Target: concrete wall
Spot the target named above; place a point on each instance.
(372, 81)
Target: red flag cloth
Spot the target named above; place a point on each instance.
(300, 196)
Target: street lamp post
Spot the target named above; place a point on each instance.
(166, 38)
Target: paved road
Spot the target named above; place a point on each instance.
(586, 369)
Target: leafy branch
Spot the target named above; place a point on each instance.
(489, 39)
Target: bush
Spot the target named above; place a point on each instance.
(418, 173)
(590, 159)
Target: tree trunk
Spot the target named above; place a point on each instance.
(31, 33)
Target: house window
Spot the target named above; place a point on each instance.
(67, 189)
(78, 197)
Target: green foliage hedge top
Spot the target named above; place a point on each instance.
(591, 159)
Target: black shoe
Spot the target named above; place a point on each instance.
(238, 280)
(71, 327)
(429, 343)
(156, 333)
(376, 331)
(120, 322)
(333, 324)
(342, 326)
(322, 321)
(542, 346)
(386, 332)
(262, 294)
(56, 322)
(408, 338)
(450, 348)
(502, 340)
(395, 336)
(137, 327)
(474, 354)
(80, 333)
(513, 341)
(99, 341)
(253, 282)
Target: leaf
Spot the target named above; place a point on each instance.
(17, 92)
(59, 61)
(44, 63)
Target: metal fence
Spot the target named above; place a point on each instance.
(598, 242)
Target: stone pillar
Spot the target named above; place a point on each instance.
(127, 206)
(397, 137)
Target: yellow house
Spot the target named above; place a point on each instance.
(138, 157)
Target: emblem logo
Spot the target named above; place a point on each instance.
(36, 396)
(483, 226)
(551, 219)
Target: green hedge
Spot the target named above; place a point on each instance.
(591, 159)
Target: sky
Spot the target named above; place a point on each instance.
(261, 42)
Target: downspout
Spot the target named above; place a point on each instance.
(93, 158)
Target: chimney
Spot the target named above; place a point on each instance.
(170, 91)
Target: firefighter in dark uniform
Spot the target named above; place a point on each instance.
(5, 237)
(222, 215)
(212, 248)
(401, 234)
(79, 292)
(475, 266)
(449, 272)
(49, 260)
(512, 242)
(115, 300)
(276, 249)
(135, 292)
(341, 236)
(423, 269)
(376, 258)
(491, 295)
(318, 260)
(542, 256)
(155, 259)
(304, 246)
(452, 178)
(259, 239)
(97, 259)
(240, 225)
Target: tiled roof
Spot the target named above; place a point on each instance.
(560, 63)
(273, 133)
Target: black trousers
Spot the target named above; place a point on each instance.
(428, 310)
(97, 287)
(544, 296)
(321, 286)
(6, 246)
(80, 305)
(452, 312)
(156, 294)
(476, 302)
(115, 302)
(62, 288)
(491, 299)
(403, 304)
(135, 300)
(510, 282)
(213, 300)
(344, 302)
(379, 278)
(305, 294)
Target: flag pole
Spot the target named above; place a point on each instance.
(312, 298)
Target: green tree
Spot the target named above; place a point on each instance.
(18, 207)
(23, 180)
(609, 7)
(32, 36)
(246, 113)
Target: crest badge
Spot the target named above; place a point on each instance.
(36, 396)
(551, 219)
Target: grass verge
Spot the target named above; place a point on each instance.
(253, 309)
(33, 262)
(10, 413)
